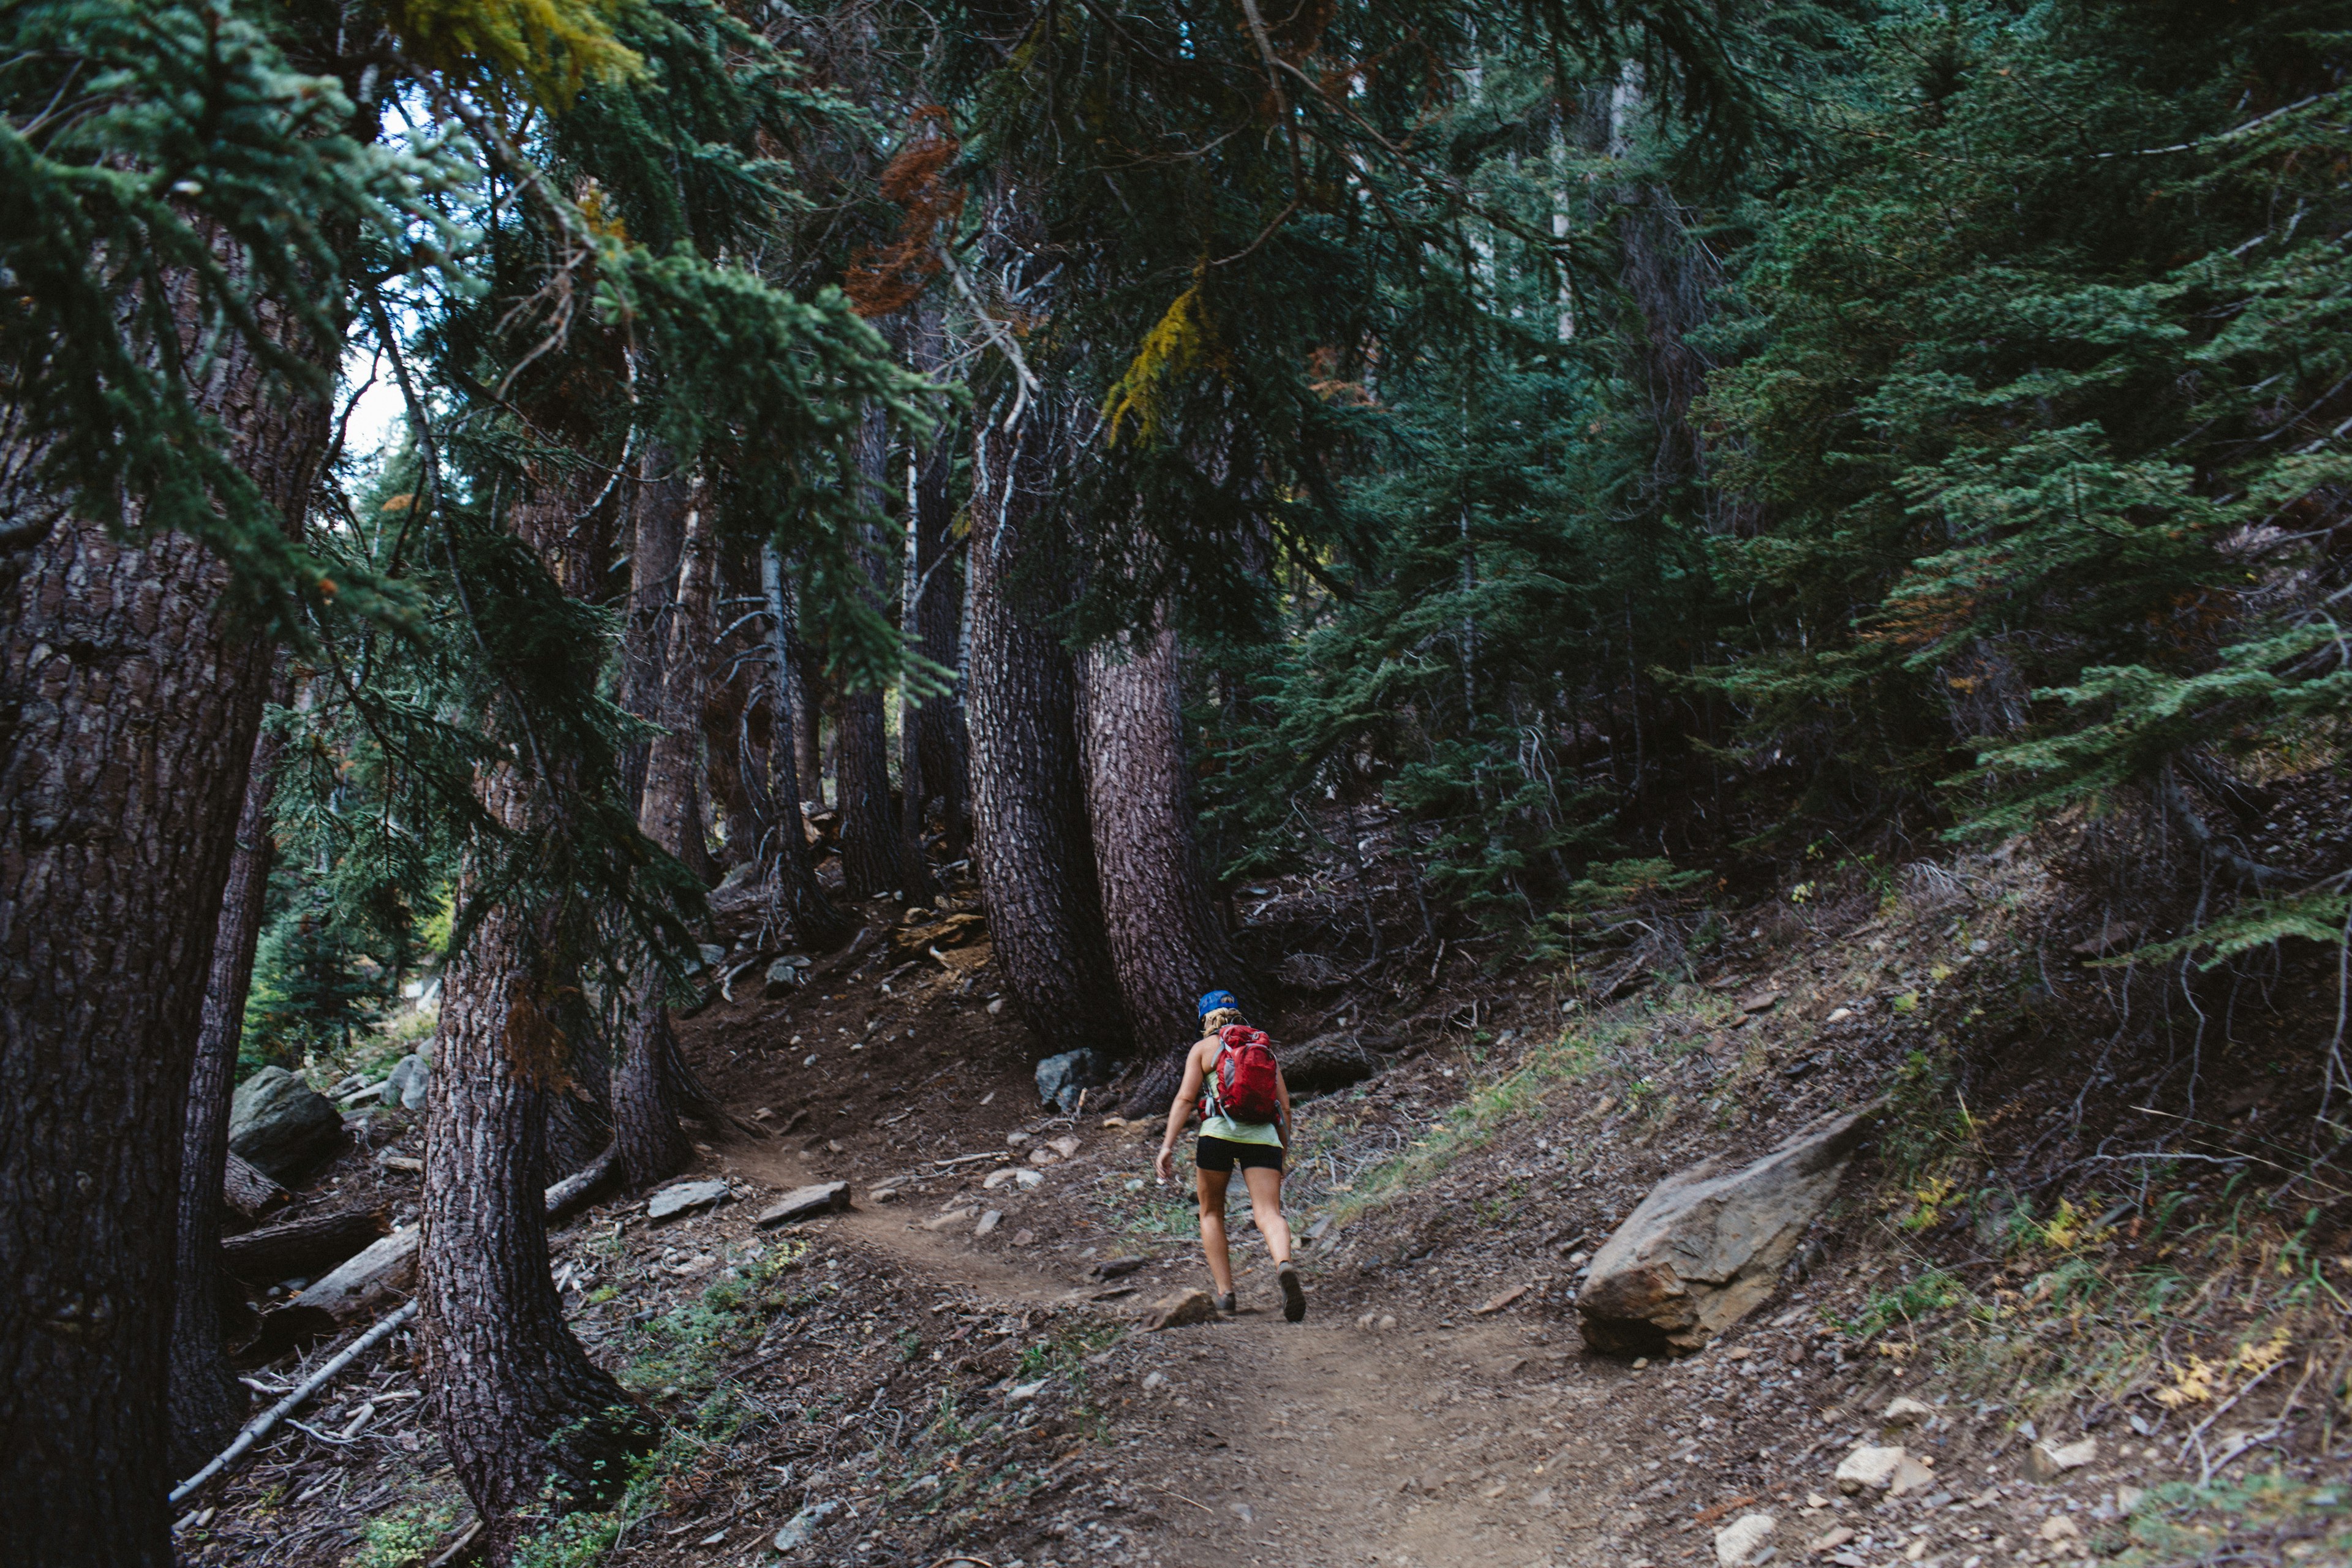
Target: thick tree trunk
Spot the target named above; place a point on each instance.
(645, 1098)
(519, 1406)
(206, 1401)
(1165, 936)
(128, 709)
(518, 1403)
(930, 764)
(869, 838)
(798, 904)
(1036, 861)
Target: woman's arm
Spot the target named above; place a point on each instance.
(1179, 1113)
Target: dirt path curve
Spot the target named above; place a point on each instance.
(1323, 1443)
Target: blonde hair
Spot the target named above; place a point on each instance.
(1219, 1019)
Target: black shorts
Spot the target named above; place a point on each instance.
(1219, 1155)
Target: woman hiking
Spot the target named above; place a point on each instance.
(1245, 1122)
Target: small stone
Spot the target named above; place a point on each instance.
(1014, 1139)
(2046, 1461)
(1117, 1268)
(1738, 1542)
(996, 1007)
(1907, 1411)
(1242, 1511)
(2128, 1498)
(988, 1224)
(1387, 1322)
(1066, 1146)
(1043, 1156)
(1025, 1392)
(1869, 1466)
(1912, 1475)
(801, 1525)
(883, 1195)
(952, 1219)
(1365, 1322)
(1832, 1541)
(2058, 1527)
(680, 1197)
(1182, 1308)
(1024, 1237)
(1543, 1500)
(804, 1203)
(997, 1178)
(1840, 1015)
(1155, 1380)
(1027, 1178)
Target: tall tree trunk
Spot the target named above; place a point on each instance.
(931, 738)
(206, 1400)
(519, 1405)
(1165, 936)
(128, 709)
(869, 838)
(1036, 862)
(645, 1098)
(797, 901)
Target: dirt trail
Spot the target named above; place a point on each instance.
(1322, 1443)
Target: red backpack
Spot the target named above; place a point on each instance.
(1245, 1082)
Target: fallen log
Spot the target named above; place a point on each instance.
(304, 1245)
(247, 1190)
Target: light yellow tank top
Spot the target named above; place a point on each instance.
(1231, 1131)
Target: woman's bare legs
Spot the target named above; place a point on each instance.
(1212, 1227)
(1265, 1206)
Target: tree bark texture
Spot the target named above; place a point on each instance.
(129, 704)
(517, 1401)
(206, 1401)
(1029, 806)
(645, 1098)
(797, 901)
(869, 838)
(515, 1398)
(1164, 933)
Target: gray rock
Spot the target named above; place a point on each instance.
(682, 1197)
(787, 974)
(711, 954)
(410, 1077)
(1871, 1468)
(988, 1223)
(1707, 1246)
(2046, 1460)
(1060, 1078)
(280, 1123)
(806, 1203)
(1739, 1542)
(801, 1525)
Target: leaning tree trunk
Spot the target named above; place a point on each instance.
(1165, 936)
(645, 1095)
(869, 838)
(127, 709)
(797, 900)
(206, 1400)
(522, 1413)
(1037, 863)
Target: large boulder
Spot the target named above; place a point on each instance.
(1060, 1079)
(281, 1124)
(411, 1078)
(1708, 1246)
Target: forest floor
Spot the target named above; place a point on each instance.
(957, 1367)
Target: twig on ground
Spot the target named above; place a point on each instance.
(259, 1427)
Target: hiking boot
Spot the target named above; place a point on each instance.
(1227, 1305)
(1294, 1299)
